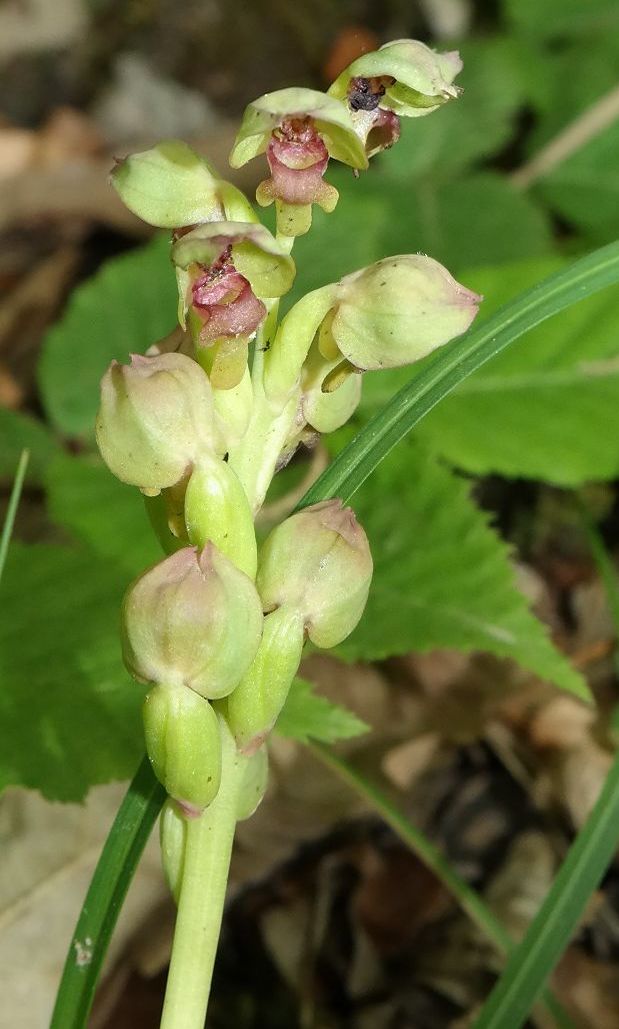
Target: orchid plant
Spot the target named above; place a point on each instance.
(203, 422)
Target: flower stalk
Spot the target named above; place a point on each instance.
(202, 424)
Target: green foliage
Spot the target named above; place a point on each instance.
(547, 408)
(563, 18)
(442, 576)
(69, 716)
(101, 512)
(125, 308)
(308, 716)
(19, 432)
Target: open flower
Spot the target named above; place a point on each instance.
(299, 129)
(404, 78)
(226, 271)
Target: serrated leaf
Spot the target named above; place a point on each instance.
(128, 305)
(18, 432)
(442, 576)
(101, 512)
(547, 408)
(308, 716)
(69, 714)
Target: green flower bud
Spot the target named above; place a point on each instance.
(169, 186)
(318, 561)
(192, 620)
(217, 509)
(183, 744)
(253, 785)
(397, 311)
(173, 840)
(403, 76)
(284, 359)
(253, 707)
(155, 418)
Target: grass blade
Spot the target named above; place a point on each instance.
(123, 848)
(11, 511)
(533, 960)
(442, 373)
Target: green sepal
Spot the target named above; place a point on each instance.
(217, 509)
(423, 77)
(325, 406)
(253, 707)
(330, 116)
(168, 186)
(183, 744)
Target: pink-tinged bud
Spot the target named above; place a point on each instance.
(155, 418)
(395, 312)
(192, 620)
(318, 562)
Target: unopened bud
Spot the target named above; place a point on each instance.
(253, 707)
(217, 509)
(155, 418)
(192, 620)
(318, 561)
(330, 392)
(183, 744)
(168, 186)
(397, 311)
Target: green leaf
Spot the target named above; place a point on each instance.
(129, 304)
(557, 919)
(560, 18)
(442, 576)
(69, 715)
(547, 408)
(478, 219)
(306, 715)
(584, 188)
(18, 432)
(102, 512)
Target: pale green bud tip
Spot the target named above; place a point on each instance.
(183, 743)
(155, 417)
(397, 311)
(192, 620)
(168, 186)
(318, 562)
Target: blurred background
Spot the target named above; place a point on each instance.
(332, 923)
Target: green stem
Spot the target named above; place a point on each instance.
(11, 511)
(200, 909)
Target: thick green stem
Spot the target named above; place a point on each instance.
(201, 903)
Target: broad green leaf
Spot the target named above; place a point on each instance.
(128, 305)
(101, 512)
(18, 432)
(308, 716)
(584, 188)
(547, 408)
(442, 576)
(69, 714)
(561, 18)
(478, 219)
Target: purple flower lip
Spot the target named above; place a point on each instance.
(298, 159)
